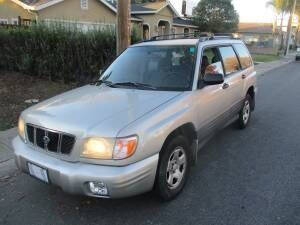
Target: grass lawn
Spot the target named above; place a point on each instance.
(264, 57)
(15, 88)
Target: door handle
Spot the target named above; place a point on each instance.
(225, 86)
(244, 76)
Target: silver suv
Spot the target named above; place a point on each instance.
(139, 127)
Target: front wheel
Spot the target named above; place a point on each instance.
(245, 113)
(173, 169)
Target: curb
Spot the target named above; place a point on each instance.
(262, 71)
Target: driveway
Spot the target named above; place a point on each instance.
(242, 177)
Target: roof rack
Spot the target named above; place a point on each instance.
(196, 35)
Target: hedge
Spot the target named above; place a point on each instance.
(56, 52)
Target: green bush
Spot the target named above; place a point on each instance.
(57, 52)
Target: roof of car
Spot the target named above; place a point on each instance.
(187, 41)
(169, 42)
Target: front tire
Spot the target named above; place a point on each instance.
(245, 113)
(173, 168)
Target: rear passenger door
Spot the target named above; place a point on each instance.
(246, 63)
(233, 84)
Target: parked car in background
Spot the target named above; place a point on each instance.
(141, 125)
(298, 53)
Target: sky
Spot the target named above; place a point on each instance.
(249, 10)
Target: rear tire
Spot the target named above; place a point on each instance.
(173, 168)
(245, 113)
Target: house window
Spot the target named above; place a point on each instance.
(186, 31)
(3, 21)
(14, 21)
(146, 31)
(84, 4)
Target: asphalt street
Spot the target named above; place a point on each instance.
(242, 177)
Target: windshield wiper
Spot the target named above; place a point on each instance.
(99, 82)
(135, 84)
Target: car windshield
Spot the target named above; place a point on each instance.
(167, 68)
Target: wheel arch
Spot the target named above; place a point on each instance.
(188, 130)
(251, 92)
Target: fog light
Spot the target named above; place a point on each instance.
(98, 188)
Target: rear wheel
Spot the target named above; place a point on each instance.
(245, 113)
(173, 169)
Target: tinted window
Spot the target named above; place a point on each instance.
(211, 62)
(163, 67)
(244, 55)
(230, 60)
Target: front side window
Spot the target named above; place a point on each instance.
(160, 67)
(245, 58)
(231, 63)
(211, 62)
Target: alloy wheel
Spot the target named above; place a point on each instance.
(176, 167)
(246, 112)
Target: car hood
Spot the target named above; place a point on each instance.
(84, 110)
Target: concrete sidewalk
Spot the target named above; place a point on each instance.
(7, 164)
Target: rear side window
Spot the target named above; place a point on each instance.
(244, 55)
(230, 60)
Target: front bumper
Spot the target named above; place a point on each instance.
(73, 178)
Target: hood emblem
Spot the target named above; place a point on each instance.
(46, 141)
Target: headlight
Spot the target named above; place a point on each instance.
(106, 148)
(98, 148)
(21, 128)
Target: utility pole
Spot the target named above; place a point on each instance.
(289, 31)
(123, 25)
(183, 10)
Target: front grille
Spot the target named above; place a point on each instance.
(53, 141)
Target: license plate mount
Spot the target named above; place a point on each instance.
(38, 172)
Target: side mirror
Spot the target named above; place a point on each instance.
(213, 79)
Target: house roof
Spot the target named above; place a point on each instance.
(256, 28)
(178, 21)
(150, 7)
(155, 5)
(147, 8)
(140, 7)
(36, 4)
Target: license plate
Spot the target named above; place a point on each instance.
(38, 172)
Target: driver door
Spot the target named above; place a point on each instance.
(209, 99)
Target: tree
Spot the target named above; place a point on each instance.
(217, 16)
(281, 7)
